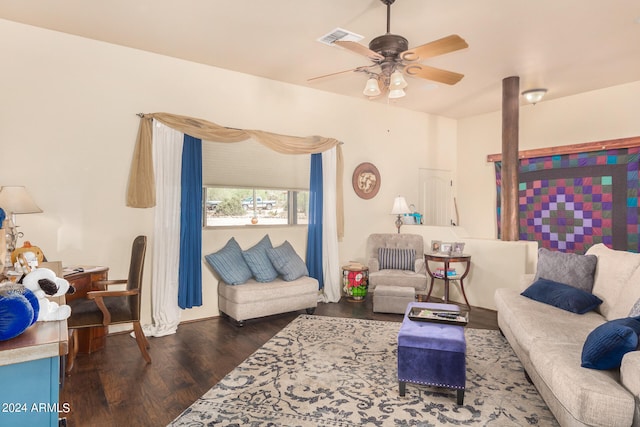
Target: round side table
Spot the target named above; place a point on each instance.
(447, 259)
(355, 282)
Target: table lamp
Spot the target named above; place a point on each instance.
(400, 208)
(15, 200)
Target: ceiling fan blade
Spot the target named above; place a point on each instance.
(361, 69)
(431, 73)
(359, 49)
(438, 47)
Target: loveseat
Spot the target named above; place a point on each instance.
(262, 280)
(552, 342)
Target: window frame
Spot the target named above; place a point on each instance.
(292, 207)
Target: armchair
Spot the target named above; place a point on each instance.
(414, 275)
(105, 307)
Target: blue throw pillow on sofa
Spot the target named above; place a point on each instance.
(229, 263)
(258, 261)
(562, 296)
(287, 262)
(607, 344)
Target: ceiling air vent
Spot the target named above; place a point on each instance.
(340, 34)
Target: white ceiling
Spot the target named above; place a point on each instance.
(567, 46)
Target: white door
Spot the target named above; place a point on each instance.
(435, 198)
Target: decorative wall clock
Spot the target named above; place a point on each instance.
(366, 180)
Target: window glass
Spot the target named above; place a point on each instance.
(229, 206)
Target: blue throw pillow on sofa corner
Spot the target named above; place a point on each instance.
(287, 262)
(607, 344)
(229, 263)
(258, 261)
(562, 296)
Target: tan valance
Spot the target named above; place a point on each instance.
(141, 188)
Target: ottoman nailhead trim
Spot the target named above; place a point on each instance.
(432, 384)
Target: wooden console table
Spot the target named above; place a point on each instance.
(447, 259)
(89, 339)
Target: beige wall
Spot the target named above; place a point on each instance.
(68, 124)
(592, 116)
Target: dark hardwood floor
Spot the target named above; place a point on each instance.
(115, 387)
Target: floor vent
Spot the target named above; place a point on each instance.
(339, 34)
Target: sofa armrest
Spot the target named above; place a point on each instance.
(629, 372)
(526, 280)
(373, 265)
(419, 267)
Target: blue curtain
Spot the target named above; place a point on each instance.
(314, 238)
(190, 273)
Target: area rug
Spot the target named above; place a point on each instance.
(328, 371)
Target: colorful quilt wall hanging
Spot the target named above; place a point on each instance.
(571, 202)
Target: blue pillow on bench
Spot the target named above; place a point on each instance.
(287, 262)
(258, 261)
(229, 263)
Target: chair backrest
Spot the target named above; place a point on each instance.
(394, 240)
(136, 267)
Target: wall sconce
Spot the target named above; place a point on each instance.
(400, 208)
(15, 200)
(534, 96)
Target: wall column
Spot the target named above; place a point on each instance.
(510, 131)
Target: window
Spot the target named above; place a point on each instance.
(228, 206)
(247, 181)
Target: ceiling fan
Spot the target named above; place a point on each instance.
(391, 57)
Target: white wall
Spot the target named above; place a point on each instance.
(593, 116)
(494, 264)
(68, 125)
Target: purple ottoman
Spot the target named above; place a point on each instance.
(432, 353)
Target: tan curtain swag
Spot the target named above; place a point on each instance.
(141, 191)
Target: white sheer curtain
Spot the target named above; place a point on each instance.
(330, 261)
(167, 156)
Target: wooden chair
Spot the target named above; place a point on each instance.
(104, 307)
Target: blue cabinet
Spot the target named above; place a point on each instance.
(30, 376)
(30, 393)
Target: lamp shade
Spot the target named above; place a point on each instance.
(397, 81)
(372, 88)
(396, 93)
(400, 206)
(16, 200)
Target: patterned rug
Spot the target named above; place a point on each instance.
(328, 371)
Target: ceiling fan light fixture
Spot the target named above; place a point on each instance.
(371, 88)
(396, 93)
(534, 96)
(397, 81)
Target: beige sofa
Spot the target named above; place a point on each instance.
(549, 342)
(254, 299)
